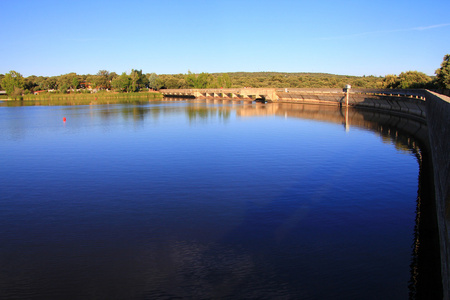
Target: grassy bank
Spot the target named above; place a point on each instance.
(88, 96)
(81, 99)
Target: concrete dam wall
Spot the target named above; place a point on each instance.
(438, 120)
(406, 102)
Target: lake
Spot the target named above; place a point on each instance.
(206, 199)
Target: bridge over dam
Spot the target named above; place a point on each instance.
(427, 107)
(236, 94)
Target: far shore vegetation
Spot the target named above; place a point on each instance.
(110, 85)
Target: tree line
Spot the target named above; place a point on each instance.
(15, 84)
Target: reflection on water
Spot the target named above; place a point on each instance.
(214, 199)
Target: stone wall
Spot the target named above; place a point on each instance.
(438, 120)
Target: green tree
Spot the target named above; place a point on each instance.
(154, 82)
(39, 83)
(122, 83)
(172, 83)
(200, 81)
(359, 83)
(413, 79)
(224, 81)
(13, 83)
(67, 81)
(102, 79)
(75, 83)
(407, 80)
(138, 80)
(443, 73)
(112, 75)
(30, 83)
(50, 83)
(63, 88)
(204, 80)
(191, 80)
(91, 80)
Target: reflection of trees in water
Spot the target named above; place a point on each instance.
(140, 110)
(204, 113)
(198, 112)
(412, 136)
(425, 281)
(137, 112)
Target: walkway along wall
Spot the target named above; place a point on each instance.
(438, 120)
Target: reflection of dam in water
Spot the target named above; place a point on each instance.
(392, 125)
(348, 117)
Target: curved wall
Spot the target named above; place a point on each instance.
(438, 120)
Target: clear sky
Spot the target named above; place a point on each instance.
(54, 37)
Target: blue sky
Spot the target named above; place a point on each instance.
(172, 36)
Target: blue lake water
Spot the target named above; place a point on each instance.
(201, 200)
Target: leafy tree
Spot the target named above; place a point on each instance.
(138, 80)
(390, 81)
(191, 79)
(50, 83)
(13, 83)
(63, 88)
(102, 80)
(172, 83)
(30, 83)
(407, 80)
(39, 82)
(91, 80)
(205, 80)
(154, 82)
(200, 81)
(122, 83)
(75, 83)
(359, 83)
(67, 81)
(413, 79)
(224, 81)
(112, 75)
(443, 73)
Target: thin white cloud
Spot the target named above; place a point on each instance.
(384, 32)
(431, 26)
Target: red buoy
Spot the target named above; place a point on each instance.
(64, 119)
